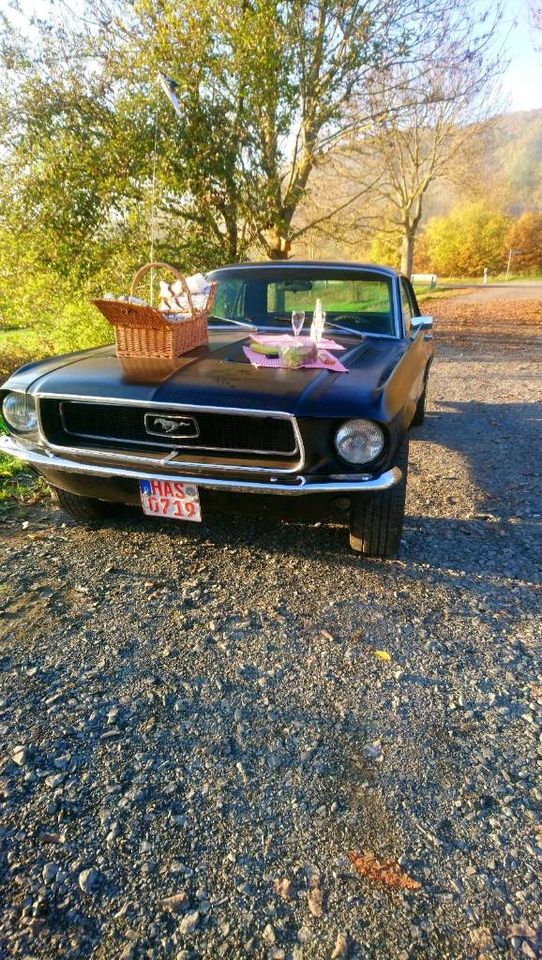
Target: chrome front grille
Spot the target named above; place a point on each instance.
(113, 425)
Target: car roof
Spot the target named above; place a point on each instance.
(304, 264)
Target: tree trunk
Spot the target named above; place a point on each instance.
(233, 243)
(277, 246)
(280, 254)
(407, 253)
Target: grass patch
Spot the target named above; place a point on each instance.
(77, 327)
(18, 485)
(438, 293)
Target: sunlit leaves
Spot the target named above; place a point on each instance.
(471, 238)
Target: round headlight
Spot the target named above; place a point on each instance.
(359, 441)
(19, 412)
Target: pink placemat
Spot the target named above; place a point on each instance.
(277, 338)
(259, 360)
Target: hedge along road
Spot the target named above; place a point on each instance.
(222, 714)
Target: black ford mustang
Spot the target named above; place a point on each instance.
(209, 431)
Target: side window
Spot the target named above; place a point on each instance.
(406, 304)
(229, 299)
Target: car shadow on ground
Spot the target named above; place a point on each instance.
(504, 520)
(500, 443)
(433, 548)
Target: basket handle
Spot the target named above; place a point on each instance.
(165, 266)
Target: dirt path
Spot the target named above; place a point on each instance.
(487, 293)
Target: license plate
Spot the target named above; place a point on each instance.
(170, 498)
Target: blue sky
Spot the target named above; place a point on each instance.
(522, 81)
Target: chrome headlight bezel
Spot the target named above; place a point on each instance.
(20, 412)
(367, 435)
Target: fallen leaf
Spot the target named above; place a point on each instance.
(340, 950)
(382, 655)
(284, 888)
(315, 902)
(387, 872)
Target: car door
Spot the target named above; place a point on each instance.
(418, 354)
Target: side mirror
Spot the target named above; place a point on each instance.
(421, 323)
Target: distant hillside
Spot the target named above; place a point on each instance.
(517, 151)
(508, 171)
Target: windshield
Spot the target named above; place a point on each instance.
(360, 301)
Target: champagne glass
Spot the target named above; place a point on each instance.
(298, 319)
(323, 325)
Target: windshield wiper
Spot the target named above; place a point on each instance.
(337, 326)
(238, 323)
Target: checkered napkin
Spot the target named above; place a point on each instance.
(326, 361)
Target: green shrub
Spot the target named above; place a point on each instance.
(76, 325)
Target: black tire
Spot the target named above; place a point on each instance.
(376, 521)
(419, 415)
(82, 508)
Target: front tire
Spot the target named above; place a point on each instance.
(376, 521)
(82, 508)
(419, 414)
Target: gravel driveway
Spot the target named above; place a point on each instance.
(199, 724)
(513, 290)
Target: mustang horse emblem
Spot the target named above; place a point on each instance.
(167, 426)
(179, 427)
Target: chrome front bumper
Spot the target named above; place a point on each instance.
(42, 460)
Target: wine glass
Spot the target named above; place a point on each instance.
(298, 319)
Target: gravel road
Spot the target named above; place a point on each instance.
(199, 724)
(513, 290)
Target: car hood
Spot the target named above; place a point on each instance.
(218, 374)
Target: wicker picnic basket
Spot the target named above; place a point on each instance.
(144, 331)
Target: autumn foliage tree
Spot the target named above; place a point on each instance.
(426, 122)
(524, 239)
(471, 238)
(265, 91)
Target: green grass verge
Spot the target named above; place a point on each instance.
(440, 293)
(19, 486)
